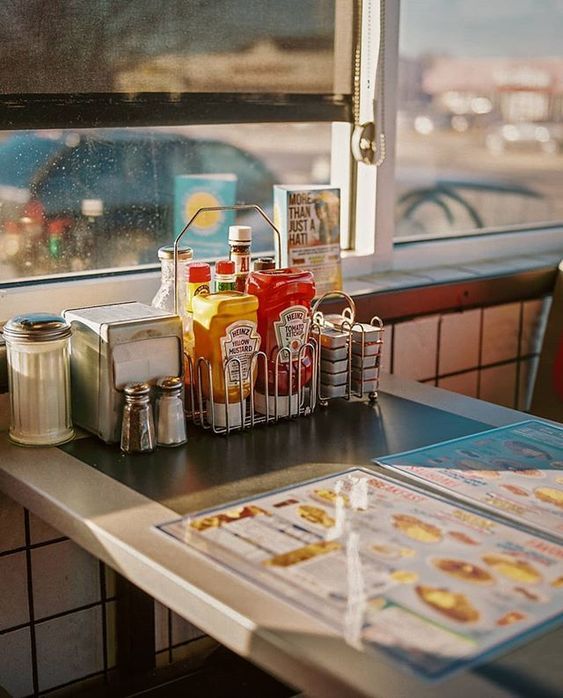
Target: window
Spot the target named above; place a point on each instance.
(272, 92)
(48, 181)
(479, 116)
(109, 104)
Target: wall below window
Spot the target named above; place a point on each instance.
(57, 612)
(488, 353)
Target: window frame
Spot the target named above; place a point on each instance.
(391, 253)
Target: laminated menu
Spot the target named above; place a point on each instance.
(514, 471)
(430, 584)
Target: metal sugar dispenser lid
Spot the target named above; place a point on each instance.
(185, 254)
(36, 327)
(170, 418)
(137, 430)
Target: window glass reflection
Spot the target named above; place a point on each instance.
(85, 200)
(480, 120)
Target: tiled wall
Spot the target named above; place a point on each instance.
(57, 606)
(173, 636)
(57, 611)
(488, 353)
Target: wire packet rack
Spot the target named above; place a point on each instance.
(349, 352)
(291, 381)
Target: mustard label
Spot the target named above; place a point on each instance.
(240, 342)
(202, 288)
(292, 329)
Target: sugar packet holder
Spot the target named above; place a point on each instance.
(350, 351)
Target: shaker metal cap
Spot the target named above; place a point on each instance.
(167, 252)
(137, 389)
(37, 327)
(169, 383)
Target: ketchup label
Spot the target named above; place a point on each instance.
(240, 342)
(292, 329)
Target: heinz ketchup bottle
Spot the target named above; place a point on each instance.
(284, 319)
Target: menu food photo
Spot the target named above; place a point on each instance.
(514, 471)
(432, 584)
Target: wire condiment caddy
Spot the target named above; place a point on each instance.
(291, 378)
(299, 398)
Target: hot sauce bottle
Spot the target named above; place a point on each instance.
(225, 279)
(284, 319)
(240, 240)
(198, 280)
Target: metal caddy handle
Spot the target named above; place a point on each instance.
(216, 209)
(201, 366)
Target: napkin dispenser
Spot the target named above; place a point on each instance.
(113, 345)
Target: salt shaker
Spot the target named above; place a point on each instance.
(38, 347)
(137, 429)
(170, 420)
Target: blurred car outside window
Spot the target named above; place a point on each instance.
(49, 179)
(480, 117)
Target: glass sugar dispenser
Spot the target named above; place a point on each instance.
(38, 349)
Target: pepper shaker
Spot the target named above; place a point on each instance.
(170, 420)
(137, 430)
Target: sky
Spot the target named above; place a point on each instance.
(509, 28)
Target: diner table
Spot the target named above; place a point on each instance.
(110, 504)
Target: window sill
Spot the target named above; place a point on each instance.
(402, 295)
(415, 265)
(391, 295)
(381, 282)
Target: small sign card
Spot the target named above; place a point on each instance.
(308, 218)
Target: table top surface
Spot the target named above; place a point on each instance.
(109, 503)
(212, 469)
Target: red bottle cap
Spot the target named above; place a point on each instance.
(199, 272)
(225, 266)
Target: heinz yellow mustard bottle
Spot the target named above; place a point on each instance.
(225, 328)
